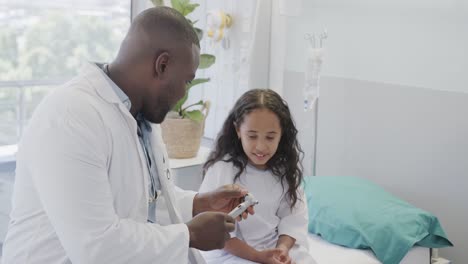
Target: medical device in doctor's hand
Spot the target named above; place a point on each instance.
(249, 200)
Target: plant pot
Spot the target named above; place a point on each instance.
(182, 137)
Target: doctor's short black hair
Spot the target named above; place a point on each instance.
(169, 21)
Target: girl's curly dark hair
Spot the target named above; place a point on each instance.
(285, 163)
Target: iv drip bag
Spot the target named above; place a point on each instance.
(312, 76)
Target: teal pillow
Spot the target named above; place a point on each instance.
(356, 213)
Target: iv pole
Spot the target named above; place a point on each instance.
(314, 166)
(311, 87)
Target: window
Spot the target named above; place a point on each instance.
(44, 43)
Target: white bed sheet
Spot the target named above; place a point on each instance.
(326, 253)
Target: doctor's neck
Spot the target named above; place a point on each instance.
(123, 76)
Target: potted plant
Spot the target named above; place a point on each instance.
(183, 127)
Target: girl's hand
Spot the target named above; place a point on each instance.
(284, 256)
(274, 256)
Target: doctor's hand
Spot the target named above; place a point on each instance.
(223, 199)
(210, 230)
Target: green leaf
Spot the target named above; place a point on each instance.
(195, 115)
(199, 33)
(189, 8)
(178, 106)
(158, 2)
(206, 60)
(192, 105)
(196, 82)
(183, 6)
(191, 22)
(179, 5)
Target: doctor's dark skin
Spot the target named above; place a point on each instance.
(153, 67)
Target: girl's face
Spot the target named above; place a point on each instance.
(260, 134)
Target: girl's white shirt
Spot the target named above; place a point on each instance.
(273, 215)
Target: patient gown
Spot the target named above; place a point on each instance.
(273, 216)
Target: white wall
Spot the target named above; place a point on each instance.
(413, 43)
(394, 100)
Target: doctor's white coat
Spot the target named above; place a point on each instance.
(81, 191)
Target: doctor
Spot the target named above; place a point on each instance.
(93, 183)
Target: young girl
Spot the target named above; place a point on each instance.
(257, 148)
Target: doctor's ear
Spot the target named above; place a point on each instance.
(161, 63)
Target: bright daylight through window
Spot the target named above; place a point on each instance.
(44, 43)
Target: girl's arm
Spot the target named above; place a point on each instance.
(240, 249)
(285, 242)
(293, 223)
